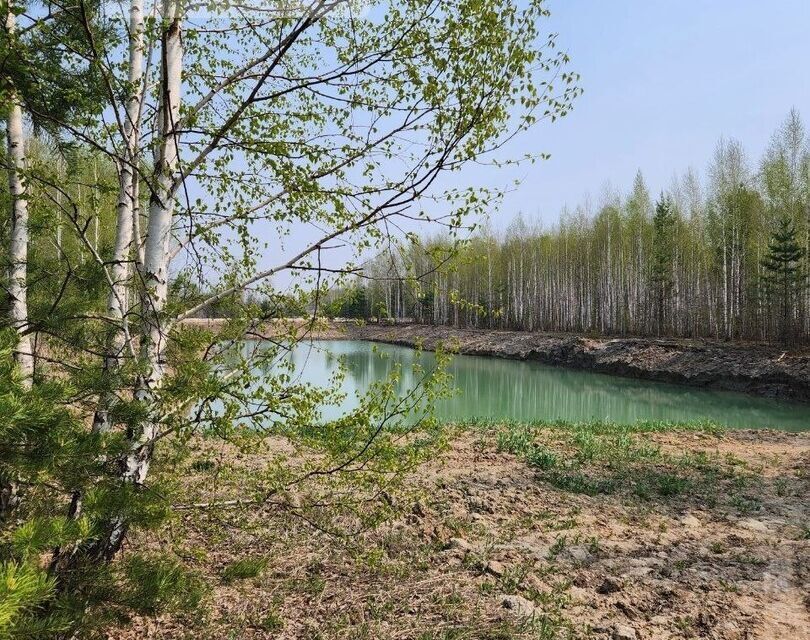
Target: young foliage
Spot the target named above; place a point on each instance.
(180, 153)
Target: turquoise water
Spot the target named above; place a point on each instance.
(494, 388)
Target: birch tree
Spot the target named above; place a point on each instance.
(249, 142)
(18, 241)
(121, 267)
(694, 270)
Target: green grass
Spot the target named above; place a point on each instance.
(270, 621)
(602, 457)
(156, 584)
(600, 427)
(244, 569)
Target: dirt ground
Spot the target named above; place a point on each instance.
(541, 534)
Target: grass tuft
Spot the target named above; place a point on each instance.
(244, 569)
(600, 457)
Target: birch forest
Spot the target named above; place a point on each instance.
(690, 261)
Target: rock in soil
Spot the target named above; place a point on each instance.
(459, 544)
(608, 586)
(519, 605)
(495, 568)
(623, 632)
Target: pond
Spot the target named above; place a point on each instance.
(498, 389)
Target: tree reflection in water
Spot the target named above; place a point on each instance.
(495, 388)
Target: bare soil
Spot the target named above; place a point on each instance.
(695, 535)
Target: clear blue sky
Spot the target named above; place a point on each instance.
(663, 80)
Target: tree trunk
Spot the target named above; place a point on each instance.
(154, 272)
(17, 259)
(127, 176)
(18, 241)
(156, 255)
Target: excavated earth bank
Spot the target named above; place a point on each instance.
(751, 368)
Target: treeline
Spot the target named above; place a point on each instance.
(723, 256)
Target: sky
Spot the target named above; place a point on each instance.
(663, 81)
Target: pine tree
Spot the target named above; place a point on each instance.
(355, 305)
(662, 257)
(783, 277)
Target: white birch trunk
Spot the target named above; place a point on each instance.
(18, 241)
(154, 270)
(158, 234)
(126, 206)
(17, 257)
(60, 173)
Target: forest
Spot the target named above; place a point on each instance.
(717, 256)
(192, 193)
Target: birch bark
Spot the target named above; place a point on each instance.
(18, 242)
(158, 235)
(126, 206)
(17, 254)
(155, 267)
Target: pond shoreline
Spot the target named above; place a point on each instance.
(757, 369)
(761, 370)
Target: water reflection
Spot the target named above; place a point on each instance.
(508, 389)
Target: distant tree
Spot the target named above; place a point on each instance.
(663, 252)
(639, 202)
(606, 264)
(637, 215)
(355, 303)
(785, 180)
(783, 276)
(381, 311)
